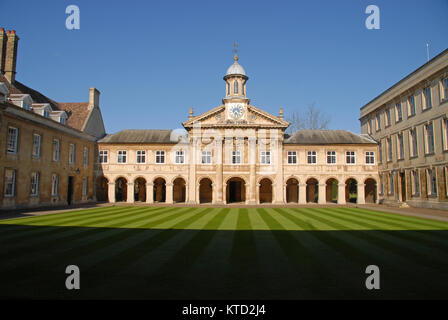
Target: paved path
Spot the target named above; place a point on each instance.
(415, 212)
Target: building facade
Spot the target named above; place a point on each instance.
(47, 148)
(237, 153)
(410, 122)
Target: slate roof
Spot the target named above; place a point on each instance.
(141, 136)
(327, 137)
(77, 112)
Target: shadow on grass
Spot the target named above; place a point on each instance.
(216, 264)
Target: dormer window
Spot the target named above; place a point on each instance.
(46, 113)
(63, 120)
(26, 106)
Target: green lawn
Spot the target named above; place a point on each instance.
(223, 253)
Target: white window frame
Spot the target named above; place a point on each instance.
(56, 151)
(350, 155)
(12, 141)
(427, 139)
(430, 173)
(311, 157)
(411, 106)
(370, 157)
(206, 157)
(37, 141)
(160, 157)
(292, 157)
(425, 98)
(86, 156)
(72, 153)
(122, 156)
(179, 157)
(265, 157)
(54, 185)
(398, 112)
(236, 157)
(331, 155)
(84, 186)
(400, 146)
(34, 185)
(140, 156)
(10, 184)
(415, 182)
(413, 143)
(103, 155)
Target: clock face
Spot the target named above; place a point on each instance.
(236, 111)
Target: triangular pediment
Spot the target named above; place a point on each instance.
(253, 117)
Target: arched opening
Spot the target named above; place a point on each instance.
(236, 190)
(292, 190)
(370, 190)
(102, 189)
(159, 190)
(312, 190)
(140, 189)
(331, 191)
(121, 189)
(265, 191)
(205, 191)
(351, 190)
(179, 190)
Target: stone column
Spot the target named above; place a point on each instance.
(192, 171)
(130, 195)
(322, 199)
(302, 193)
(111, 192)
(149, 192)
(341, 193)
(252, 173)
(219, 169)
(361, 194)
(169, 193)
(279, 198)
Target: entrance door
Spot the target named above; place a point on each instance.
(403, 186)
(235, 191)
(70, 190)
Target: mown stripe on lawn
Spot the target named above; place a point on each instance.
(178, 268)
(373, 238)
(120, 260)
(40, 232)
(302, 260)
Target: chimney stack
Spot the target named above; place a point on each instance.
(94, 98)
(11, 55)
(2, 50)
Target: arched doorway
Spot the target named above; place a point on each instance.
(236, 190)
(331, 190)
(351, 190)
(370, 190)
(159, 190)
(179, 190)
(265, 191)
(205, 191)
(121, 189)
(140, 189)
(312, 190)
(292, 190)
(102, 189)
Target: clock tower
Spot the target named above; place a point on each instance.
(236, 101)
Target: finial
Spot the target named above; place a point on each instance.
(236, 52)
(191, 113)
(280, 113)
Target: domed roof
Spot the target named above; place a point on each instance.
(235, 68)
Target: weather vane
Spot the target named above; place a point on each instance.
(236, 51)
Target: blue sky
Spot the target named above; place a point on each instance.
(152, 60)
